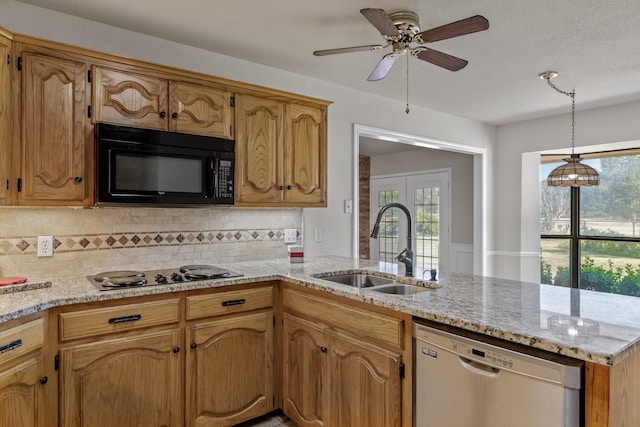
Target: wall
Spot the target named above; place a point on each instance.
(422, 159)
(607, 125)
(349, 107)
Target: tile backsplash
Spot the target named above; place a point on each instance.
(90, 240)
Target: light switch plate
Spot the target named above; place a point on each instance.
(290, 235)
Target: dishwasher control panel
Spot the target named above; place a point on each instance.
(484, 355)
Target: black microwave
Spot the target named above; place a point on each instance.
(150, 167)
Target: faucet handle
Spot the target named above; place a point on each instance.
(402, 254)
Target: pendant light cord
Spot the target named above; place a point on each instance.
(407, 110)
(572, 95)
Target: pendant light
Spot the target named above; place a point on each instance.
(573, 173)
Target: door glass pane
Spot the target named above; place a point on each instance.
(610, 266)
(388, 237)
(554, 262)
(555, 205)
(613, 207)
(427, 219)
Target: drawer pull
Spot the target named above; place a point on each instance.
(233, 302)
(44, 380)
(124, 319)
(11, 346)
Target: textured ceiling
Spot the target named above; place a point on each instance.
(593, 44)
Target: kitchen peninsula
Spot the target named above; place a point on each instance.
(516, 312)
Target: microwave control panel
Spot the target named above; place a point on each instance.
(225, 178)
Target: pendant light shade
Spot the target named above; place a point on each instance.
(573, 173)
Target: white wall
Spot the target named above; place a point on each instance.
(422, 159)
(349, 107)
(606, 125)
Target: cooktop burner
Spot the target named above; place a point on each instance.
(121, 279)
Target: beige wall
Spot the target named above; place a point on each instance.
(87, 241)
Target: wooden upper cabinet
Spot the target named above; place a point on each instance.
(5, 117)
(53, 159)
(200, 110)
(129, 99)
(306, 155)
(281, 152)
(259, 143)
(142, 100)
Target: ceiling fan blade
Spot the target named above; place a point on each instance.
(347, 49)
(381, 21)
(383, 67)
(454, 29)
(441, 59)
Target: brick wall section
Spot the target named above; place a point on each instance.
(364, 172)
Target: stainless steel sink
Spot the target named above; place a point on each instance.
(357, 280)
(399, 289)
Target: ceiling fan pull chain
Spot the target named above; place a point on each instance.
(407, 110)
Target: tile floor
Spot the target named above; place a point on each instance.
(275, 419)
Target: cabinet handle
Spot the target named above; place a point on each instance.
(176, 349)
(193, 346)
(163, 114)
(10, 346)
(174, 115)
(124, 319)
(44, 380)
(233, 302)
(280, 187)
(78, 179)
(323, 349)
(289, 187)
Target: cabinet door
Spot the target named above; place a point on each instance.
(366, 384)
(129, 99)
(306, 156)
(53, 156)
(259, 141)
(306, 384)
(200, 110)
(21, 390)
(230, 370)
(5, 119)
(130, 381)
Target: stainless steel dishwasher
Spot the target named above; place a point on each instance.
(462, 382)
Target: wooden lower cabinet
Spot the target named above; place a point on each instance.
(229, 369)
(127, 381)
(21, 389)
(333, 379)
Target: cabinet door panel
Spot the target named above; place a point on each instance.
(20, 389)
(53, 137)
(259, 143)
(131, 381)
(306, 383)
(200, 110)
(366, 387)
(230, 370)
(5, 119)
(306, 155)
(129, 99)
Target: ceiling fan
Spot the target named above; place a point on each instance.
(401, 29)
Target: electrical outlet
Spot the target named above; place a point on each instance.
(45, 246)
(290, 235)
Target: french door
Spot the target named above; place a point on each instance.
(427, 197)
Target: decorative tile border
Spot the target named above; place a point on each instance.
(91, 242)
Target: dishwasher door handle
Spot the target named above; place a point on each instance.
(479, 368)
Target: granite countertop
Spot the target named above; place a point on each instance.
(593, 326)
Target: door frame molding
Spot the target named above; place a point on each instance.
(480, 179)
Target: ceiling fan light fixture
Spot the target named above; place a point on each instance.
(573, 173)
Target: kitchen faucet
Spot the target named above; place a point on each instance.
(406, 256)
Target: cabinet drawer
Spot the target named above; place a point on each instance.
(361, 323)
(21, 339)
(228, 302)
(99, 321)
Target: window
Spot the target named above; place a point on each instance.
(590, 236)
